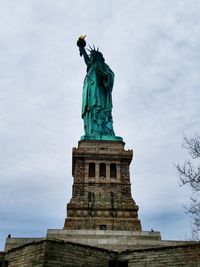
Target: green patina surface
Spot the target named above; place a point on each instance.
(97, 97)
(102, 137)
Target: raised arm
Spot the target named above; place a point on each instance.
(81, 43)
(85, 55)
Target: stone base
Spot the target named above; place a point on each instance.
(58, 252)
(114, 240)
(106, 239)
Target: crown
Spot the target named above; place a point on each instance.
(93, 49)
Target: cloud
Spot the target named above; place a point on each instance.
(153, 48)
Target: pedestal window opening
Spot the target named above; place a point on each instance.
(113, 170)
(91, 169)
(102, 170)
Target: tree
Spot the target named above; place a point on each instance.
(189, 174)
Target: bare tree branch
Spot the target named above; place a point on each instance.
(192, 145)
(189, 174)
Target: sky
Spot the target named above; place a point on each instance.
(153, 47)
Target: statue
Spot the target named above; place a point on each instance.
(97, 94)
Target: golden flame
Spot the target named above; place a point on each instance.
(82, 37)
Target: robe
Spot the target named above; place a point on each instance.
(97, 100)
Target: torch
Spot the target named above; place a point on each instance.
(81, 43)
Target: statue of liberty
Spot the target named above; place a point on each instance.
(97, 94)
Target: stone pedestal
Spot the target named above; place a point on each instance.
(101, 195)
(114, 240)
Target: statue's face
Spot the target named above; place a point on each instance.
(96, 56)
(93, 56)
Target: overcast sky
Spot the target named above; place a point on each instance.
(153, 47)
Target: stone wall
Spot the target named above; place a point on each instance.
(28, 255)
(184, 255)
(1, 258)
(73, 255)
(51, 253)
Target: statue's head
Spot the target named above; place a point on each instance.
(95, 55)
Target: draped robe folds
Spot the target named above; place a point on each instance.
(97, 100)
